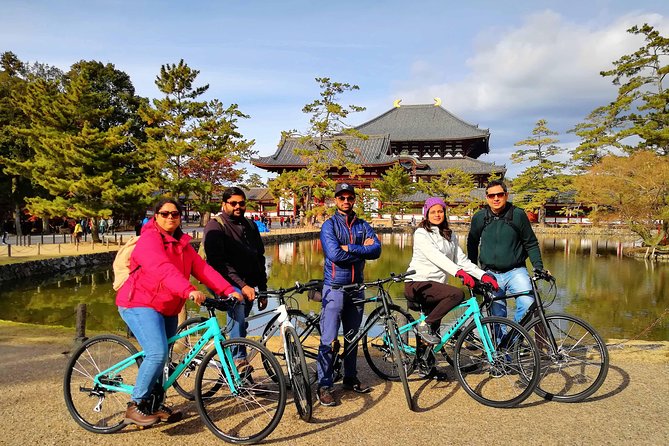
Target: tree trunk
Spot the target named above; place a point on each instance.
(95, 232)
(17, 220)
(45, 226)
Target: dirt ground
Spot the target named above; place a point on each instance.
(630, 408)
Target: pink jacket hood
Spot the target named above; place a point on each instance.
(162, 266)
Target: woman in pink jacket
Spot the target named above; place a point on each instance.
(150, 300)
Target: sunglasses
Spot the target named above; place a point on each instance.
(348, 198)
(498, 195)
(165, 214)
(235, 203)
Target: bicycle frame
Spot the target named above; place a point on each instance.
(471, 311)
(212, 331)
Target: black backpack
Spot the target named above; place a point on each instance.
(506, 218)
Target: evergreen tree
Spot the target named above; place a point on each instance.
(638, 118)
(390, 187)
(455, 187)
(324, 147)
(172, 126)
(218, 147)
(543, 181)
(80, 154)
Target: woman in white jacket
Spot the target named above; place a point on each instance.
(436, 257)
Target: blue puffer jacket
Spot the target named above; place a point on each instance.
(342, 267)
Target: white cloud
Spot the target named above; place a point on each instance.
(548, 62)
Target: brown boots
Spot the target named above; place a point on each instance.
(135, 414)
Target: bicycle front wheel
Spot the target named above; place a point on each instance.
(577, 365)
(299, 374)
(377, 345)
(401, 359)
(308, 331)
(240, 403)
(95, 408)
(512, 374)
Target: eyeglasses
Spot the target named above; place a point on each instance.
(235, 203)
(165, 214)
(498, 195)
(348, 198)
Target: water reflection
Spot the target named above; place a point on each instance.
(619, 296)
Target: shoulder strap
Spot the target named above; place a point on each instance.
(506, 218)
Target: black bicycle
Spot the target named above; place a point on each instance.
(379, 333)
(574, 358)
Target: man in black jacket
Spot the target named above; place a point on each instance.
(236, 251)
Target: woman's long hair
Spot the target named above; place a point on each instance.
(444, 230)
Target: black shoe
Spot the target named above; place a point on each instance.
(355, 385)
(433, 374)
(425, 332)
(325, 397)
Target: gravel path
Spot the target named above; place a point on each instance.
(630, 408)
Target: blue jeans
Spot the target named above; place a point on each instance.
(152, 330)
(337, 308)
(237, 314)
(515, 281)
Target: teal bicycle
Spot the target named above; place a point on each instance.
(495, 359)
(239, 404)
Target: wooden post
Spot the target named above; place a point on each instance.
(80, 324)
(58, 248)
(54, 238)
(9, 250)
(39, 245)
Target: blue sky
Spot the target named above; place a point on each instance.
(501, 65)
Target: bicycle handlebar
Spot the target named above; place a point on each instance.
(361, 286)
(219, 303)
(298, 288)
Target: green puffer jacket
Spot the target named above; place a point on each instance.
(503, 244)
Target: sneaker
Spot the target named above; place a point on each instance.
(355, 385)
(167, 415)
(425, 332)
(325, 397)
(433, 373)
(134, 414)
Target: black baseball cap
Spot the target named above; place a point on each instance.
(344, 187)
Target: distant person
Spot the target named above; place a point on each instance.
(436, 257)
(235, 249)
(145, 221)
(7, 227)
(151, 298)
(500, 240)
(347, 243)
(78, 231)
(138, 227)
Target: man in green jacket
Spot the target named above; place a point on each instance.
(500, 240)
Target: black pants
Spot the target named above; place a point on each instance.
(437, 299)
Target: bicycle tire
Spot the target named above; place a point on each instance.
(185, 383)
(82, 396)
(309, 332)
(579, 366)
(513, 374)
(255, 409)
(377, 351)
(299, 375)
(393, 333)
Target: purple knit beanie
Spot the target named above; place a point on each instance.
(432, 201)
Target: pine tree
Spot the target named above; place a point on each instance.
(81, 155)
(391, 186)
(544, 180)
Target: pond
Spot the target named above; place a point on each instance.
(620, 296)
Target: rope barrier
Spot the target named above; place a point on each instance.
(643, 332)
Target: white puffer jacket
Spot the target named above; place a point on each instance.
(436, 259)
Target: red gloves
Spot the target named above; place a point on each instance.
(466, 278)
(489, 278)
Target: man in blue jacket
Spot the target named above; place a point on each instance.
(347, 242)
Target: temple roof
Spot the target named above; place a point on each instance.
(373, 151)
(424, 122)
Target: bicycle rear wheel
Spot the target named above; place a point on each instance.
(247, 408)
(576, 367)
(376, 344)
(93, 407)
(513, 373)
(299, 372)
